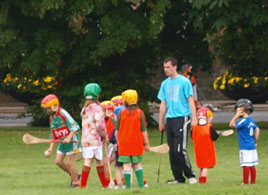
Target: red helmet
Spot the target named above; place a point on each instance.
(50, 101)
(118, 100)
(204, 112)
(107, 105)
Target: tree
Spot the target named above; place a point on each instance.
(60, 46)
(236, 32)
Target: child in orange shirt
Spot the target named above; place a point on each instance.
(204, 135)
(132, 137)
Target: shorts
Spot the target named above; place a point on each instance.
(92, 151)
(130, 159)
(118, 164)
(68, 149)
(248, 158)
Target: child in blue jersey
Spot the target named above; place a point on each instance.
(248, 135)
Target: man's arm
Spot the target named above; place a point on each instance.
(162, 113)
(193, 110)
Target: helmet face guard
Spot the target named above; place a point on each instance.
(118, 100)
(130, 96)
(108, 107)
(50, 101)
(204, 115)
(91, 91)
(246, 103)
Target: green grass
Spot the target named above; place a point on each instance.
(25, 170)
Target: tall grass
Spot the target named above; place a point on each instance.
(25, 170)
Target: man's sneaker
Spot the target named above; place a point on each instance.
(173, 182)
(192, 181)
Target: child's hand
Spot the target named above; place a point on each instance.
(239, 111)
(67, 140)
(146, 147)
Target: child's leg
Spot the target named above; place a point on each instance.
(119, 176)
(70, 163)
(253, 174)
(100, 171)
(60, 162)
(127, 174)
(139, 173)
(245, 175)
(85, 172)
(203, 175)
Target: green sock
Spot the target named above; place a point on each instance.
(127, 175)
(139, 175)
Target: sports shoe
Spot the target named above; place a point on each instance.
(116, 187)
(173, 182)
(192, 181)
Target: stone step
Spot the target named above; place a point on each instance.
(12, 109)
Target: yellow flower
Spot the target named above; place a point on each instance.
(49, 86)
(222, 86)
(19, 86)
(47, 79)
(255, 79)
(246, 85)
(36, 82)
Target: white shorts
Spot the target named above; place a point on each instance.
(66, 153)
(92, 151)
(248, 158)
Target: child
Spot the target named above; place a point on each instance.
(110, 120)
(93, 132)
(132, 137)
(248, 135)
(63, 127)
(118, 103)
(203, 135)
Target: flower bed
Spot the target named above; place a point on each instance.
(233, 87)
(26, 89)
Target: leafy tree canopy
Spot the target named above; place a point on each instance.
(116, 43)
(236, 32)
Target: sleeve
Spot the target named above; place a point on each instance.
(213, 134)
(118, 121)
(188, 89)
(70, 122)
(240, 123)
(161, 93)
(143, 122)
(99, 119)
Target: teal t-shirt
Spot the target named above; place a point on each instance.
(175, 92)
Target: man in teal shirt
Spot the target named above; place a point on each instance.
(177, 107)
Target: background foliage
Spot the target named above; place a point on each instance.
(118, 44)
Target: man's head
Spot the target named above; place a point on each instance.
(170, 67)
(244, 104)
(50, 103)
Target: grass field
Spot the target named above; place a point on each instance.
(25, 170)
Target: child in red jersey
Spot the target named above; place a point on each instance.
(204, 135)
(110, 120)
(132, 137)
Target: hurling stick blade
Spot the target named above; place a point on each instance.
(226, 132)
(162, 149)
(29, 139)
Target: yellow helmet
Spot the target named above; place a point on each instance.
(130, 96)
(118, 100)
(50, 101)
